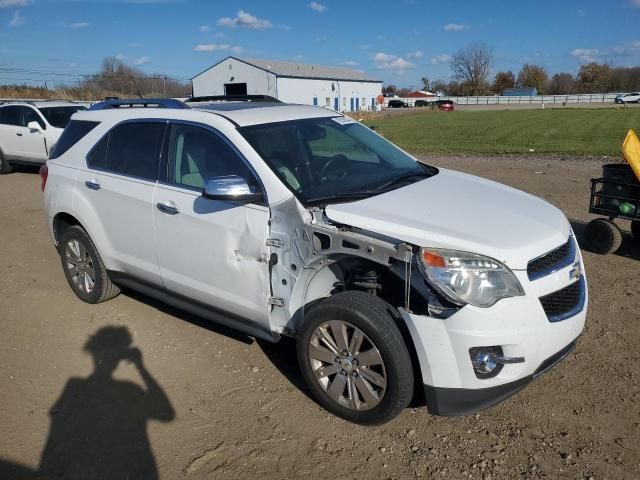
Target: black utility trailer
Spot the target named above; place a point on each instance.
(615, 195)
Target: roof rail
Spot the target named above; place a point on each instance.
(140, 102)
(233, 98)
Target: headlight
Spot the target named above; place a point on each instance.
(467, 278)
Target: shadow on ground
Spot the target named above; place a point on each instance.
(99, 424)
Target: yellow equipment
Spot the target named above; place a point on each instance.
(631, 151)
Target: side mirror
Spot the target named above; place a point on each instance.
(34, 126)
(231, 188)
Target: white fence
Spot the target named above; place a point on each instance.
(504, 100)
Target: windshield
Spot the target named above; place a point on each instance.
(59, 116)
(321, 158)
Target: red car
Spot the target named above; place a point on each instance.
(445, 105)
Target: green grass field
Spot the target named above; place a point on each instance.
(560, 131)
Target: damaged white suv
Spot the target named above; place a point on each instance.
(292, 220)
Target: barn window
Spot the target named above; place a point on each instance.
(327, 102)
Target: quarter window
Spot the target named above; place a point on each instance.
(130, 149)
(196, 155)
(10, 115)
(72, 134)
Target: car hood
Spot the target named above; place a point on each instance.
(462, 212)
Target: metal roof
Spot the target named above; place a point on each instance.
(303, 70)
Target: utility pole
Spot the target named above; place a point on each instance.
(164, 85)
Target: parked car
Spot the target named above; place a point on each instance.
(445, 105)
(397, 104)
(289, 220)
(421, 103)
(628, 98)
(28, 131)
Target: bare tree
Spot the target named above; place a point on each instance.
(472, 65)
(562, 84)
(426, 83)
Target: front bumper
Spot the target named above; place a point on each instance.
(518, 325)
(461, 401)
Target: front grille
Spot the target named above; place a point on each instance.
(550, 262)
(564, 303)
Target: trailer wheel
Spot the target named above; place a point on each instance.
(635, 229)
(602, 236)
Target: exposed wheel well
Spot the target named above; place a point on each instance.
(61, 222)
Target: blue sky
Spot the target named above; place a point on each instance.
(396, 42)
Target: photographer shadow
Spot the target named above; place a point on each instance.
(99, 424)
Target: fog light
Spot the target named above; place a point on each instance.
(485, 361)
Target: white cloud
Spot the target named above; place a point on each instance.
(635, 3)
(455, 27)
(585, 54)
(438, 59)
(135, 45)
(386, 61)
(205, 28)
(317, 7)
(213, 47)
(286, 28)
(350, 63)
(77, 25)
(120, 56)
(17, 20)
(13, 3)
(142, 61)
(246, 20)
(416, 54)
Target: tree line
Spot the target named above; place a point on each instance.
(471, 69)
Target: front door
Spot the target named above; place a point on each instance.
(211, 251)
(11, 131)
(34, 146)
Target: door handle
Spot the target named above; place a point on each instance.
(19, 134)
(168, 207)
(92, 184)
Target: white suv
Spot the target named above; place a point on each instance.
(295, 220)
(29, 130)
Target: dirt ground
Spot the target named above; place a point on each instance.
(228, 407)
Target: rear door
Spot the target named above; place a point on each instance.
(10, 131)
(118, 185)
(211, 251)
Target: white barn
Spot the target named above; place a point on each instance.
(338, 88)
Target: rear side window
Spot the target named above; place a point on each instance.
(130, 149)
(10, 115)
(75, 131)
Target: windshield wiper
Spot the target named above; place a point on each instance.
(404, 178)
(352, 195)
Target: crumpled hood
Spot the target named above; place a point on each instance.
(461, 212)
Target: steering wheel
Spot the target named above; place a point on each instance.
(335, 169)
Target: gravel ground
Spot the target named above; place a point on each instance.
(223, 406)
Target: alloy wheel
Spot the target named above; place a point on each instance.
(80, 266)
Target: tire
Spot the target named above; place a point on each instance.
(81, 260)
(602, 236)
(373, 382)
(635, 230)
(5, 166)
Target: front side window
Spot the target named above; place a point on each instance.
(131, 149)
(59, 116)
(321, 158)
(196, 155)
(30, 115)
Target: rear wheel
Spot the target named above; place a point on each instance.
(83, 267)
(354, 359)
(5, 167)
(602, 236)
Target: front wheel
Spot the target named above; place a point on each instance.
(354, 359)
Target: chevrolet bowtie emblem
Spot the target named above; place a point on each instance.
(576, 271)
